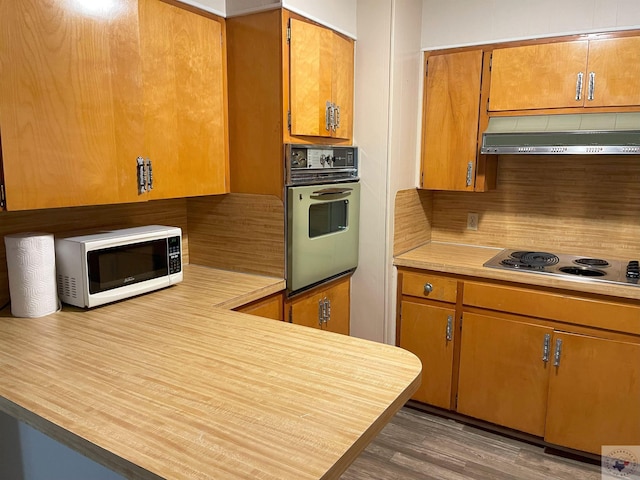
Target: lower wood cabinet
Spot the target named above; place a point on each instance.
(326, 307)
(269, 307)
(427, 332)
(562, 369)
(503, 378)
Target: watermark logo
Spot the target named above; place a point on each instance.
(621, 461)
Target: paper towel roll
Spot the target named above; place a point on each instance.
(31, 264)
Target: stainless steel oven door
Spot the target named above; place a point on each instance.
(322, 232)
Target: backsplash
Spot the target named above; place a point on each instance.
(160, 212)
(576, 204)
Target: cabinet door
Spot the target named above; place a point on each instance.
(342, 86)
(538, 76)
(594, 394)
(310, 78)
(184, 93)
(305, 310)
(503, 378)
(424, 331)
(339, 307)
(615, 64)
(70, 101)
(450, 128)
(270, 307)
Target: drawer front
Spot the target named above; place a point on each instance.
(621, 317)
(431, 286)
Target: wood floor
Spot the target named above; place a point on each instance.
(419, 446)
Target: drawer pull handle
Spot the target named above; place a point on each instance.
(449, 328)
(546, 347)
(428, 288)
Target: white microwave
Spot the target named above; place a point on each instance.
(109, 266)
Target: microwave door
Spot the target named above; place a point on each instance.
(322, 231)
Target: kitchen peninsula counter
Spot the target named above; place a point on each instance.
(467, 260)
(173, 385)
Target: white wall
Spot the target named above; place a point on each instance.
(339, 15)
(213, 6)
(385, 128)
(468, 22)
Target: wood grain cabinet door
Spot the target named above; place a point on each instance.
(70, 101)
(342, 85)
(428, 332)
(503, 378)
(450, 129)
(339, 297)
(185, 101)
(614, 70)
(310, 77)
(594, 393)
(538, 76)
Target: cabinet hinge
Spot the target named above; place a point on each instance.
(490, 61)
(456, 402)
(426, 69)
(290, 315)
(289, 32)
(487, 104)
(422, 179)
(289, 120)
(2, 198)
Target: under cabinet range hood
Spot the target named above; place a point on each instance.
(589, 133)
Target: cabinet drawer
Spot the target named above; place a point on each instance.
(617, 316)
(427, 285)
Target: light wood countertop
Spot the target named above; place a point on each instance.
(468, 260)
(166, 385)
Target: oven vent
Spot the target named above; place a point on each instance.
(67, 286)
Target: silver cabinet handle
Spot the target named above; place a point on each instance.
(546, 345)
(449, 328)
(141, 173)
(592, 85)
(428, 288)
(329, 116)
(337, 124)
(469, 173)
(556, 354)
(579, 86)
(149, 175)
(327, 310)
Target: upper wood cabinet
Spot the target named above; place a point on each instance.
(85, 92)
(183, 66)
(284, 72)
(452, 120)
(321, 81)
(588, 73)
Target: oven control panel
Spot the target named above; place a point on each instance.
(308, 164)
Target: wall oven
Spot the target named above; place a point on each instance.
(323, 210)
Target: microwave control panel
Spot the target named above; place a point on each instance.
(175, 256)
(305, 164)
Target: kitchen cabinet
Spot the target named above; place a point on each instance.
(183, 67)
(269, 307)
(325, 307)
(321, 81)
(503, 375)
(561, 366)
(84, 94)
(597, 379)
(284, 70)
(584, 73)
(428, 330)
(452, 122)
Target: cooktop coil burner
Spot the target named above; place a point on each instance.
(582, 268)
(530, 260)
(592, 262)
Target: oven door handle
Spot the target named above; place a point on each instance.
(331, 191)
